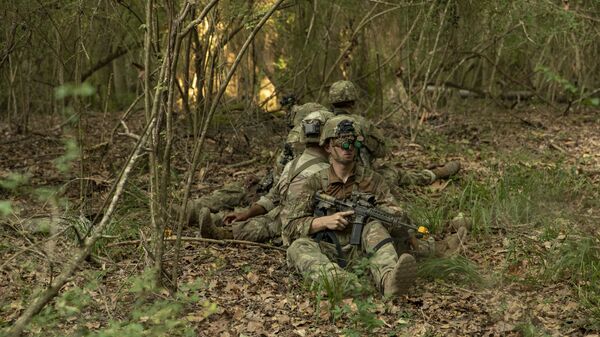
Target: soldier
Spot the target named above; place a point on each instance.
(261, 222)
(293, 144)
(320, 244)
(343, 96)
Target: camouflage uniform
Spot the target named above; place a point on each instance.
(228, 197)
(342, 96)
(315, 259)
(264, 227)
(402, 178)
(293, 144)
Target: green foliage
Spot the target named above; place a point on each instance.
(67, 307)
(63, 163)
(528, 329)
(458, 269)
(361, 316)
(152, 314)
(5, 208)
(72, 90)
(521, 195)
(11, 183)
(14, 180)
(571, 89)
(349, 296)
(577, 260)
(334, 285)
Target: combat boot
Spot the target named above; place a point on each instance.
(208, 228)
(402, 277)
(460, 221)
(447, 170)
(451, 244)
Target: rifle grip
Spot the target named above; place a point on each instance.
(356, 233)
(357, 228)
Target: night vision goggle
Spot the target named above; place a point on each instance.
(348, 141)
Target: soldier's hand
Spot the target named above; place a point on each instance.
(336, 222)
(233, 217)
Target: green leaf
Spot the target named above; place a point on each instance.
(14, 180)
(593, 101)
(5, 207)
(68, 89)
(85, 90)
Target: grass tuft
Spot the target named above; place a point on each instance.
(458, 269)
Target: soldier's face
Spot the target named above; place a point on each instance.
(339, 153)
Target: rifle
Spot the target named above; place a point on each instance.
(288, 154)
(266, 182)
(364, 207)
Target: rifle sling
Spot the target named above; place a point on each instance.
(294, 172)
(382, 243)
(331, 237)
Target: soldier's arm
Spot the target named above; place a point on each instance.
(297, 213)
(254, 210)
(264, 205)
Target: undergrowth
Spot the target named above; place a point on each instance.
(149, 312)
(539, 212)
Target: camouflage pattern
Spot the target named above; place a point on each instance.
(265, 227)
(297, 214)
(298, 112)
(228, 197)
(262, 228)
(413, 177)
(311, 258)
(331, 129)
(374, 142)
(294, 140)
(317, 260)
(342, 91)
(319, 118)
(402, 178)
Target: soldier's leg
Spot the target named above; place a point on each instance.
(227, 197)
(393, 275)
(306, 257)
(447, 170)
(261, 228)
(208, 228)
(412, 177)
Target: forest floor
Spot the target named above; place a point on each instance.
(529, 267)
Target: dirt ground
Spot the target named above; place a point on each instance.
(255, 292)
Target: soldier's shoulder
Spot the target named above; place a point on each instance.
(367, 173)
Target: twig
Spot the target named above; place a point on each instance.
(194, 239)
(49, 293)
(213, 107)
(33, 245)
(244, 163)
(556, 147)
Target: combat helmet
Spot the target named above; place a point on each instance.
(342, 91)
(312, 125)
(341, 126)
(298, 112)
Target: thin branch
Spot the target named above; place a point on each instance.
(50, 292)
(200, 144)
(194, 239)
(199, 19)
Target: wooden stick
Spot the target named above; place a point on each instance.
(243, 163)
(69, 269)
(195, 239)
